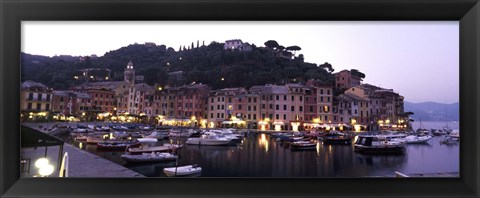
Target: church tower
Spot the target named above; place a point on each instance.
(129, 74)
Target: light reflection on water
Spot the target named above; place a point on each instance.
(259, 156)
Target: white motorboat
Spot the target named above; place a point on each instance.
(449, 140)
(173, 147)
(174, 133)
(439, 132)
(397, 137)
(91, 126)
(158, 135)
(209, 139)
(81, 129)
(182, 170)
(145, 127)
(413, 139)
(454, 134)
(149, 157)
(147, 140)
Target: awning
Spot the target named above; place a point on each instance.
(35, 138)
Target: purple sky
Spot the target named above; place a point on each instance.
(420, 60)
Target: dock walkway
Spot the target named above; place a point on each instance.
(81, 163)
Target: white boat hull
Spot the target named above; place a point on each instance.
(208, 142)
(417, 140)
(149, 157)
(182, 171)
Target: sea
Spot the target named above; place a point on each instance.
(435, 125)
(258, 155)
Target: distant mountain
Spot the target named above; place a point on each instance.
(432, 111)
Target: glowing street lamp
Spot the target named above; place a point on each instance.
(44, 168)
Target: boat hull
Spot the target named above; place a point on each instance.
(337, 141)
(395, 149)
(207, 142)
(303, 147)
(148, 158)
(182, 171)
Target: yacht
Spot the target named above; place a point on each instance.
(210, 139)
(378, 144)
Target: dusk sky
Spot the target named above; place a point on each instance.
(420, 60)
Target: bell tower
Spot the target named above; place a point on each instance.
(129, 74)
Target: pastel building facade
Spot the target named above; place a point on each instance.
(344, 79)
(35, 97)
(236, 44)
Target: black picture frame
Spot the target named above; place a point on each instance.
(12, 12)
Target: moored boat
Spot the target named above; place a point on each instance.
(209, 139)
(149, 157)
(439, 132)
(147, 140)
(303, 145)
(187, 170)
(454, 134)
(336, 137)
(115, 146)
(376, 144)
(81, 138)
(149, 149)
(158, 135)
(449, 140)
(413, 139)
(81, 129)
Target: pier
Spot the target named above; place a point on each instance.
(81, 163)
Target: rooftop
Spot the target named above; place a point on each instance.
(31, 84)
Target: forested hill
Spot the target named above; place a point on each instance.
(207, 64)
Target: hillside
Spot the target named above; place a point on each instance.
(431, 111)
(201, 64)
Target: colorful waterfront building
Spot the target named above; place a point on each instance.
(191, 102)
(344, 79)
(69, 103)
(225, 104)
(324, 98)
(35, 100)
(181, 106)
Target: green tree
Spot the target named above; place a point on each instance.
(357, 73)
(271, 44)
(293, 48)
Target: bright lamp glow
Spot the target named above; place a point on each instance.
(41, 162)
(46, 170)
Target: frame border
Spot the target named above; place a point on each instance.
(12, 12)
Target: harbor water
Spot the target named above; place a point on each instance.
(258, 155)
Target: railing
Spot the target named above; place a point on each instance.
(399, 174)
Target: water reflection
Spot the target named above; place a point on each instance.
(263, 141)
